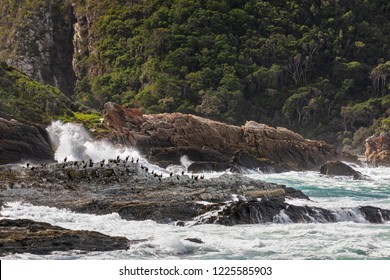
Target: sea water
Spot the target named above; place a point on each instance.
(351, 239)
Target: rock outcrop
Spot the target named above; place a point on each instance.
(338, 168)
(165, 138)
(278, 211)
(27, 236)
(135, 193)
(378, 149)
(23, 140)
(128, 189)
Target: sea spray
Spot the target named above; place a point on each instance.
(74, 142)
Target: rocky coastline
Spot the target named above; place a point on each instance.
(136, 193)
(182, 198)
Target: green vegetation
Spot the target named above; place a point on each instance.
(92, 121)
(321, 68)
(25, 98)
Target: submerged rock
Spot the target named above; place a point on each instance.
(27, 236)
(165, 138)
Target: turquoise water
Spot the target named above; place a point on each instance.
(342, 240)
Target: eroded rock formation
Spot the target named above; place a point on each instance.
(212, 145)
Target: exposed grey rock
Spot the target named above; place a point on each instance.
(127, 189)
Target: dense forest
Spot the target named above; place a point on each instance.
(321, 68)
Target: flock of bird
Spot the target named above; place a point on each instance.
(89, 163)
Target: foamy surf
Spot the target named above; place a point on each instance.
(344, 240)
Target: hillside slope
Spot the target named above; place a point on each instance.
(321, 68)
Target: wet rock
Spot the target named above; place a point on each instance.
(127, 189)
(375, 214)
(23, 140)
(278, 211)
(27, 236)
(165, 138)
(195, 240)
(338, 168)
(378, 149)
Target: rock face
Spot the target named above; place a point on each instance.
(165, 138)
(338, 168)
(39, 42)
(378, 149)
(27, 236)
(23, 140)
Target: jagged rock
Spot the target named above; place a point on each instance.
(165, 138)
(338, 168)
(23, 140)
(278, 211)
(27, 236)
(378, 149)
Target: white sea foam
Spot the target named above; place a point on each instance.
(266, 241)
(74, 142)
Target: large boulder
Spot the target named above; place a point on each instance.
(23, 140)
(378, 149)
(338, 168)
(165, 138)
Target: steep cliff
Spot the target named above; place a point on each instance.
(23, 97)
(36, 37)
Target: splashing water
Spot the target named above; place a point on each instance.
(73, 141)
